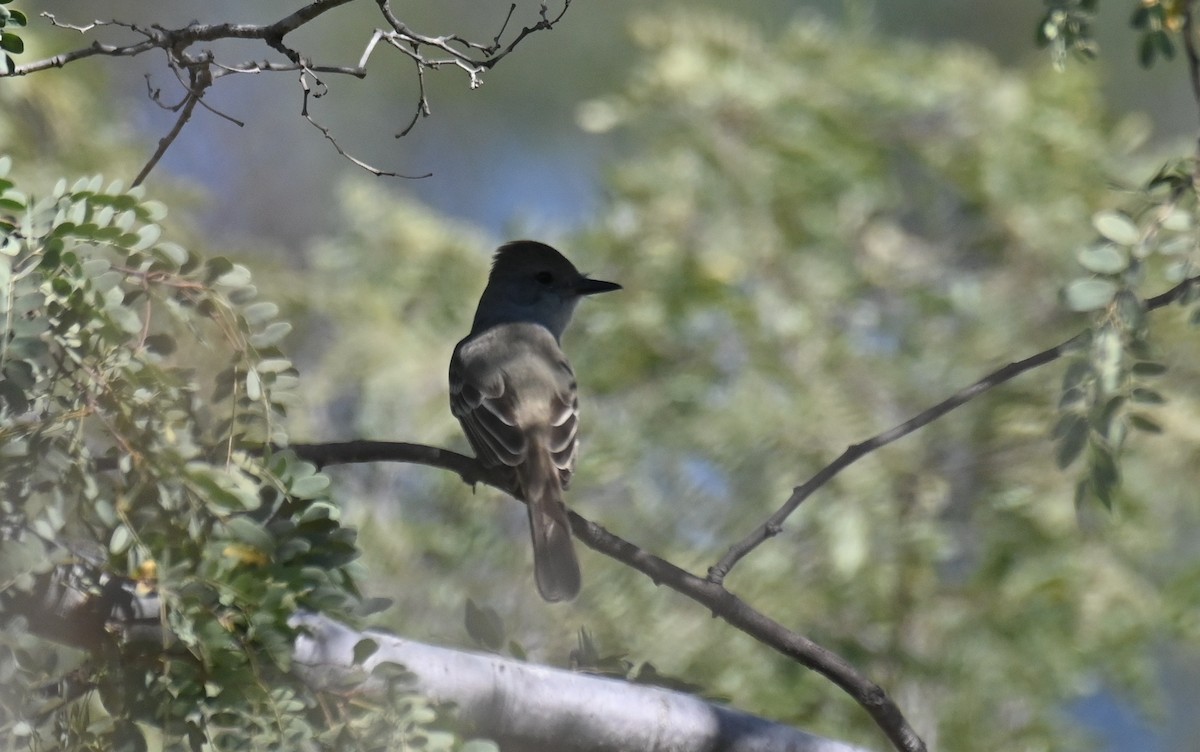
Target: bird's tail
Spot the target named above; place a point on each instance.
(555, 567)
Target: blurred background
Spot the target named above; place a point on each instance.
(827, 217)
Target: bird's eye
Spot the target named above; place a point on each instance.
(544, 278)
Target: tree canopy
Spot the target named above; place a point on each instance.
(822, 232)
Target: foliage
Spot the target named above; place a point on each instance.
(10, 42)
(1066, 28)
(820, 233)
(141, 383)
(1109, 384)
(831, 232)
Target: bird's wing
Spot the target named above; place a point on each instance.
(508, 385)
(563, 441)
(483, 404)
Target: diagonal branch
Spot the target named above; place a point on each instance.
(712, 595)
(308, 90)
(774, 523)
(193, 97)
(711, 592)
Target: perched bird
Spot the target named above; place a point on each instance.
(513, 391)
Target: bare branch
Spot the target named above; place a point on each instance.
(176, 42)
(96, 48)
(358, 452)
(304, 76)
(545, 24)
(770, 528)
(165, 142)
(422, 103)
(220, 114)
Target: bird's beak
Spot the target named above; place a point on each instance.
(587, 286)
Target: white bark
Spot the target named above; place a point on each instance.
(528, 707)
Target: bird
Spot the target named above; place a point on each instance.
(514, 392)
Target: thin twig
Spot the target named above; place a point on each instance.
(165, 142)
(329, 136)
(774, 523)
(545, 24)
(422, 103)
(220, 114)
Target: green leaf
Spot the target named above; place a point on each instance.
(253, 385)
(364, 649)
(485, 626)
(260, 313)
(1117, 227)
(1089, 293)
(1179, 220)
(1141, 17)
(274, 365)
(1130, 310)
(1146, 396)
(94, 267)
(162, 344)
(311, 487)
(1148, 368)
(1072, 432)
(248, 531)
(147, 236)
(271, 335)
(153, 211)
(1143, 423)
(1166, 47)
(1103, 259)
(120, 541)
(237, 276)
(1104, 475)
(1146, 51)
(176, 254)
(10, 42)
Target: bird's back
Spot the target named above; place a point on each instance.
(512, 387)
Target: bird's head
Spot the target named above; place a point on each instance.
(532, 282)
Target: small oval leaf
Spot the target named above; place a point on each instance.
(1089, 294)
(1103, 259)
(1117, 227)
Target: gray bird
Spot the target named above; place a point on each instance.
(513, 391)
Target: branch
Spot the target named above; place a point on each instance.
(520, 705)
(525, 706)
(96, 48)
(185, 114)
(176, 43)
(712, 595)
(357, 452)
(774, 523)
(304, 76)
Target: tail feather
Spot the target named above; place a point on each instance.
(555, 567)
